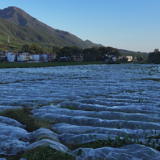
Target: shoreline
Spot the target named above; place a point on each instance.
(46, 64)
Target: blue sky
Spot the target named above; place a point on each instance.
(124, 24)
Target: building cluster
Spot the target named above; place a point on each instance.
(128, 58)
(114, 58)
(76, 58)
(50, 57)
(26, 57)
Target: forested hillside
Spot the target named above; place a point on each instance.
(19, 17)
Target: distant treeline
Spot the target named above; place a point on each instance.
(154, 57)
(89, 54)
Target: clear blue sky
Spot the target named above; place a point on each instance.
(124, 24)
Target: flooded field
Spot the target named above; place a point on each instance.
(83, 105)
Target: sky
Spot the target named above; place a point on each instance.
(124, 24)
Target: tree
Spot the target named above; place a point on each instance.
(104, 51)
(156, 50)
(140, 59)
(76, 50)
(3, 47)
(56, 49)
(26, 48)
(154, 57)
(35, 48)
(88, 54)
(65, 51)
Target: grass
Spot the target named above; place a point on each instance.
(45, 64)
(152, 79)
(23, 115)
(48, 153)
(71, 108)
(98, 143)
(12, 157)
(44, 152)
(117, 142)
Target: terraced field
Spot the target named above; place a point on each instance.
(95, 111)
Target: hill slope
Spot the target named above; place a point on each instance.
(21, 35)
(89, 43)
(19, 17)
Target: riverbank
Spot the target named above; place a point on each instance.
(45, 64)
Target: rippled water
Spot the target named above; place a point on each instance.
(84, 102)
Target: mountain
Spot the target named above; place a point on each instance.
(89, 43)
(127, 52)
(124, 52)
(19, 17)
(19, 35)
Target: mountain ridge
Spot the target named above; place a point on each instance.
(22, 35)
(19, 17)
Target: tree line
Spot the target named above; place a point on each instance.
(154, 57)
(89, 54)
(32, 48)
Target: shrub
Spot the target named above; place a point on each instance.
(46, 153)
(23, 115)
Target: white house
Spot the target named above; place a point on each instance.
(44, 57)
(63, 58)
(27, 56)
(36, 57)
(10, 57)
(24, 57)
(20, 57)
(112, 58)
(129, 58)
(47, 57)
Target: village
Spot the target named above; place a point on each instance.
(6, 56)
(26, 57)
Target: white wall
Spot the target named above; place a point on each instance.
(20, 58)
(36, 57)
(11, 57)
(113, 58)
(44, 57)
(130, 58)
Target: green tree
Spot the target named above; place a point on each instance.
(156, 50)
(65, 51)
(154, 57)
(26, 48)
(56, 49)
(35, 48)
(76, 50)
(87, 55)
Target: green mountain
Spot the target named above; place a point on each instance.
(89, 43)
(27, 28)
(14, 35)
(132, 53)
